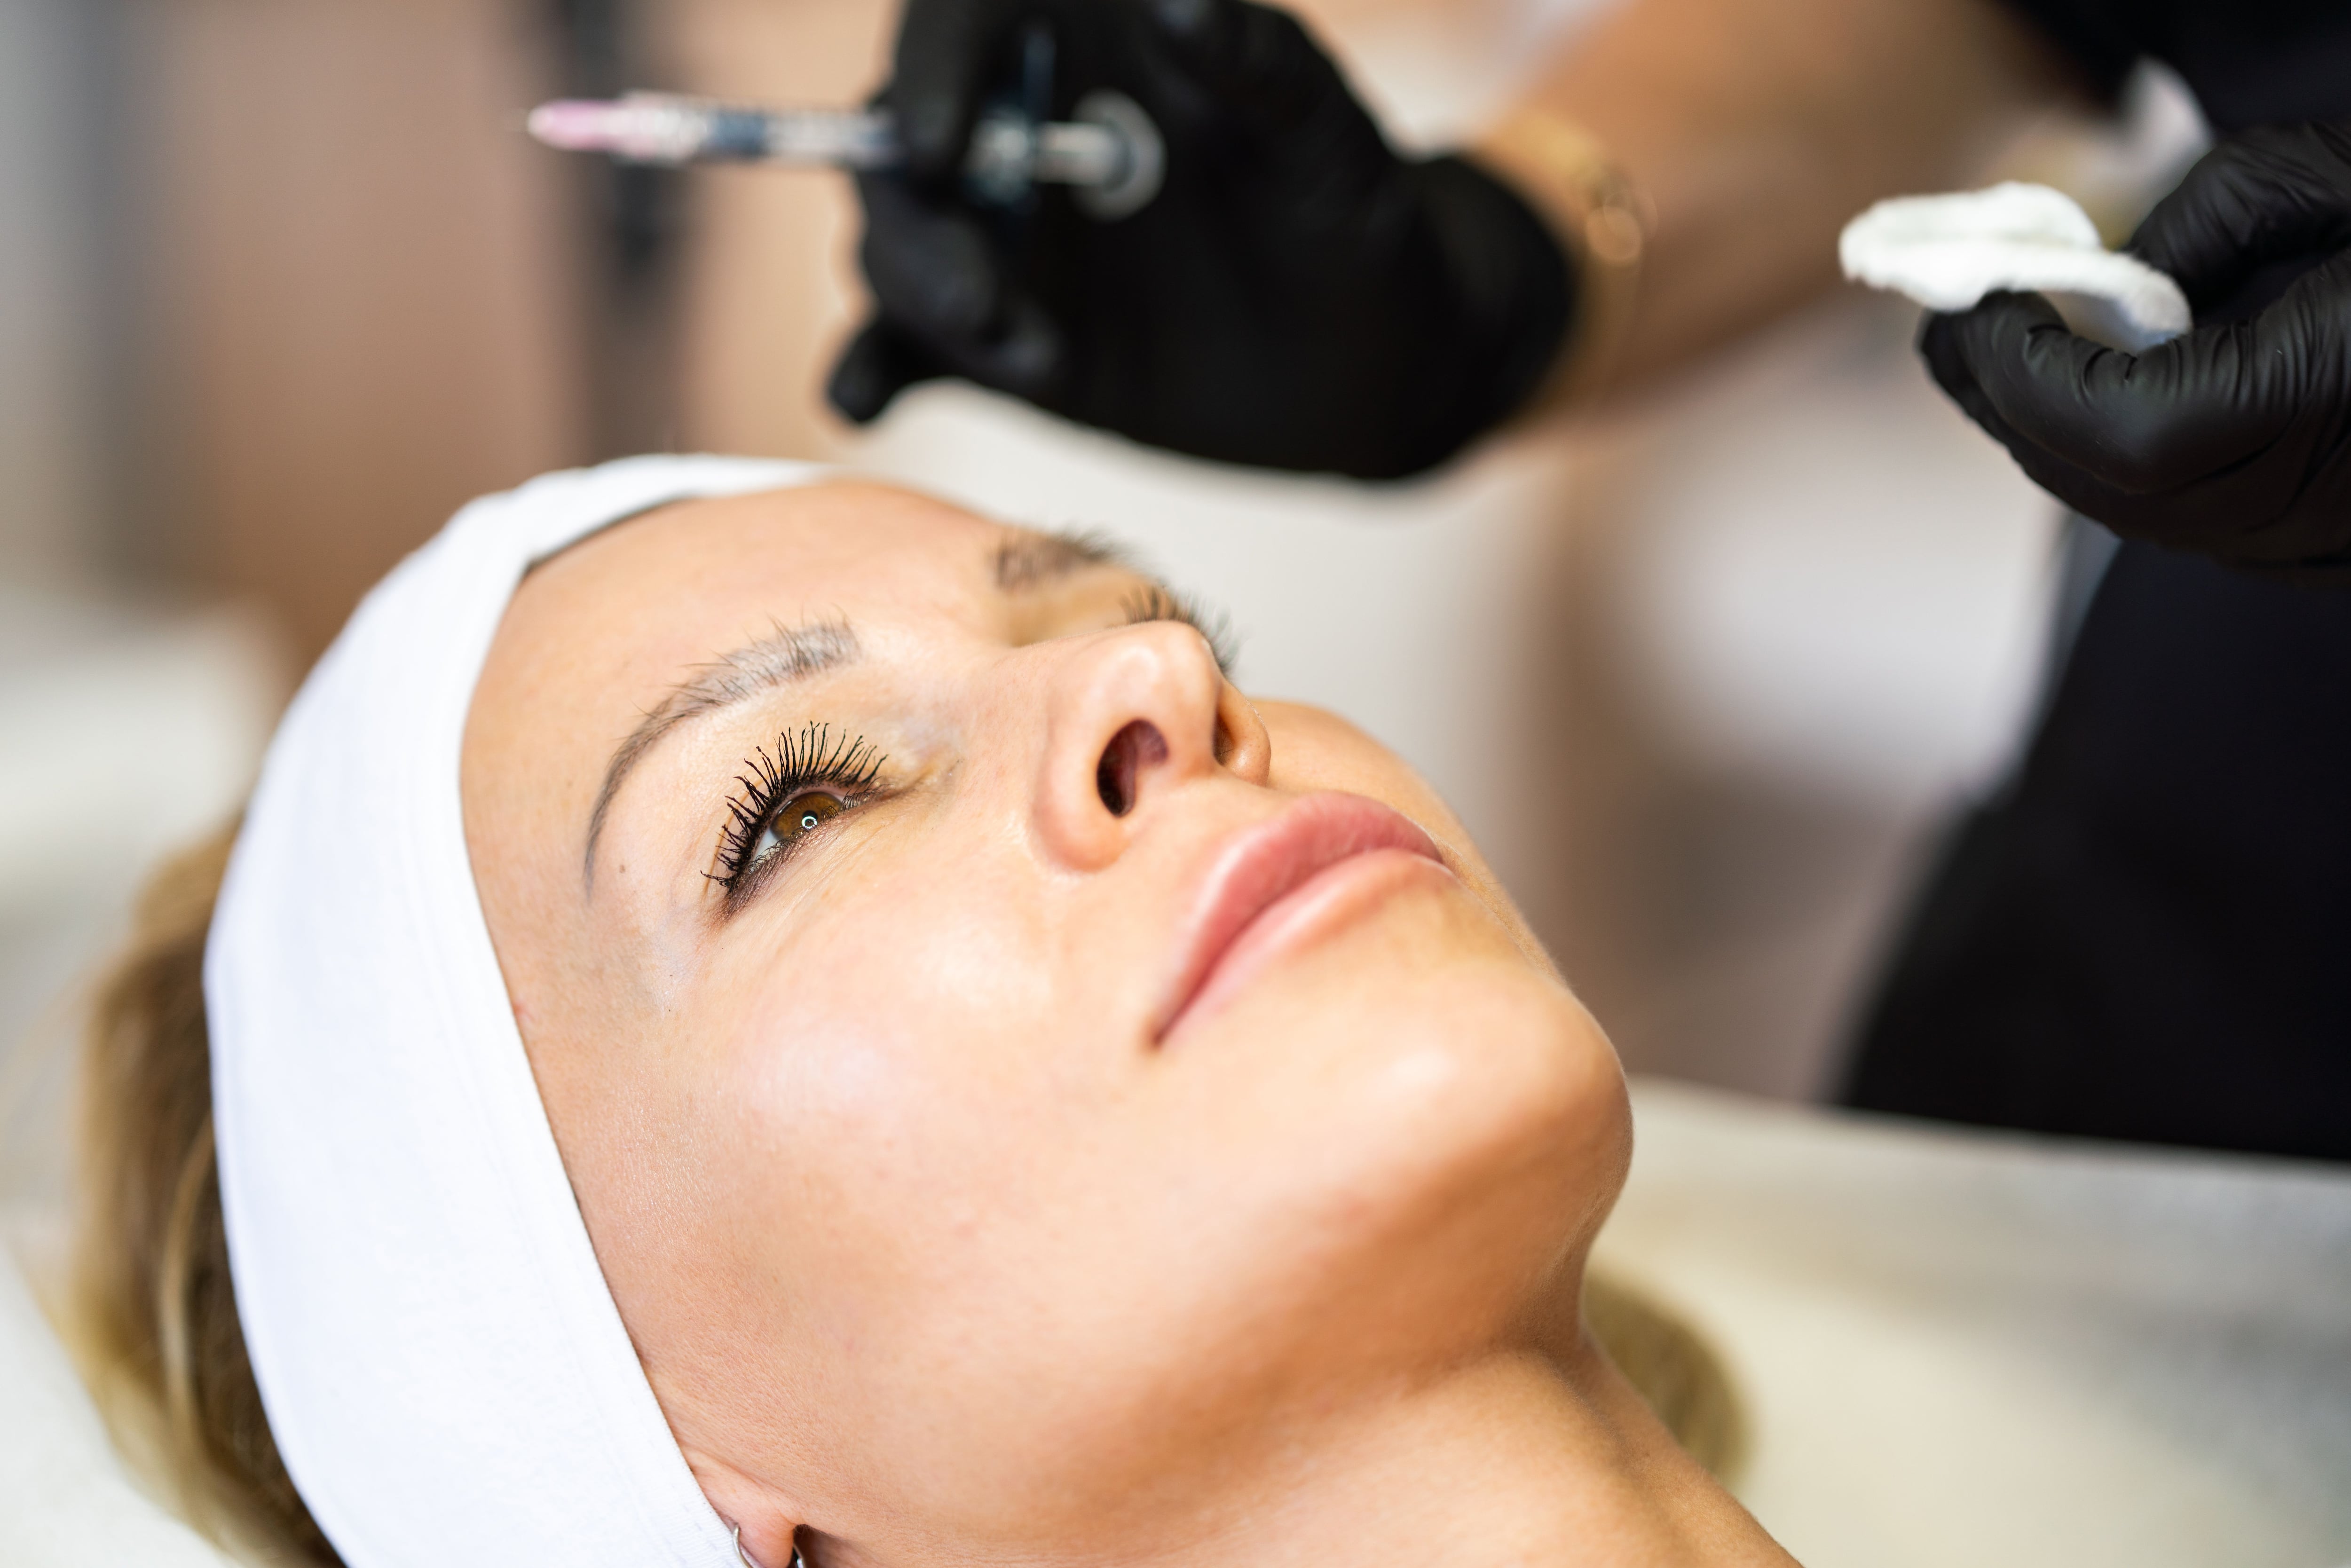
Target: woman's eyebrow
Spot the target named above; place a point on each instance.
(788, 654)
(1029, 559)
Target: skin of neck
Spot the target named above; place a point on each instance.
(1535, 1454)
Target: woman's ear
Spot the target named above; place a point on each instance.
(769, 1524)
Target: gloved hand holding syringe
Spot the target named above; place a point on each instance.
(1110, 154)
(1229, 260)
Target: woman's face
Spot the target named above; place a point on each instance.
(1017, 1089)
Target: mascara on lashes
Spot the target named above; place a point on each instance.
(804, 760)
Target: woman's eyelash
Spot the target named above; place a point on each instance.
(810, 758)
(1153, 603)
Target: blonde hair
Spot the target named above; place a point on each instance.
(156, 1308)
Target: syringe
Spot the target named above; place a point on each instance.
(1110, 154)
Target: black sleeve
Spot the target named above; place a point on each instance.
(2104, 38)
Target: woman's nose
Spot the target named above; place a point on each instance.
(1135, 715)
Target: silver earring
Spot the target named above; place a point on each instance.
(745, 1558)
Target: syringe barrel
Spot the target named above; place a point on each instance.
(1110, 154)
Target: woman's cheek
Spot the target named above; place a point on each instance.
(892, 1018)
(1314, 749)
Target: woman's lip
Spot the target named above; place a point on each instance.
(1266, 864)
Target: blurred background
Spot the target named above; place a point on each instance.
(282, 284)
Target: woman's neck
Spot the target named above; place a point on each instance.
(1522, 1458)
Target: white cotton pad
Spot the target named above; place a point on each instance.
(1949, 252)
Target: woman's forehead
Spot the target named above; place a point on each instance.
(648, 600)
(809, 543)
(677, 587)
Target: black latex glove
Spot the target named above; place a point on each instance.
(2233, 440)
(1296, 297)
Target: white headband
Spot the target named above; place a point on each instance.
(445, 1371)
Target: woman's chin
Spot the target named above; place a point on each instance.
(1414, 1037)
(1451, 1135)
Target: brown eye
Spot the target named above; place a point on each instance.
(799, 815)
(803, 813)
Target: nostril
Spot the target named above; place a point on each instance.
(1136, 746)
